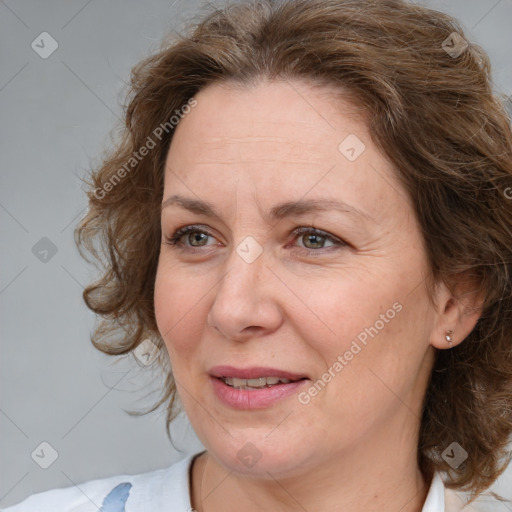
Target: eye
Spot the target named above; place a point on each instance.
(314, 239)
(192, 234)
(196, 237)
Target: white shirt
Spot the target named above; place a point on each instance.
(168, 490)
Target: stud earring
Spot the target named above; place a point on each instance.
(448, 336)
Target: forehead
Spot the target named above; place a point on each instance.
(290, 116)
(281, 137)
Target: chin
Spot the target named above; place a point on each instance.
(257, 454)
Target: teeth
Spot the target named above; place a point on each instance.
(258, 383)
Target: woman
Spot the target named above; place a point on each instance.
(308, 211)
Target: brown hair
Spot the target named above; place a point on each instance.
(434, 115)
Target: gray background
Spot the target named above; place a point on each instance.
(56, 117)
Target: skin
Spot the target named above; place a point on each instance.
(299, 305)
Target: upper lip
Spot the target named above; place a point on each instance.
(253, 372)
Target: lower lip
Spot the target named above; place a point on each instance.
(256, 399)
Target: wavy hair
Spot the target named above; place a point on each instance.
(431, 109)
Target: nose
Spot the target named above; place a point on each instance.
(246, 303)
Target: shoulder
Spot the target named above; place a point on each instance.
(158, 491)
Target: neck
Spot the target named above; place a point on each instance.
(381, 475)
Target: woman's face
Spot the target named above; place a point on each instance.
(244, 295)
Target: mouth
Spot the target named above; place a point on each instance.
(257, 383)
(254, 388)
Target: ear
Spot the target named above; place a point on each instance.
(458, 309)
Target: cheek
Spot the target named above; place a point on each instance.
(178, 311)
(374, 358)
(346, 306)
(369, 321)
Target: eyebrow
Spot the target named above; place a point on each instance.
(278, 212)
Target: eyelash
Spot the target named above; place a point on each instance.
(174, 239)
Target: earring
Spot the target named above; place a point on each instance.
(448, 336)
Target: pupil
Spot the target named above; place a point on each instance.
(195, 237)
(311, 238)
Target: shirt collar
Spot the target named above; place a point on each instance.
(435, 496)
